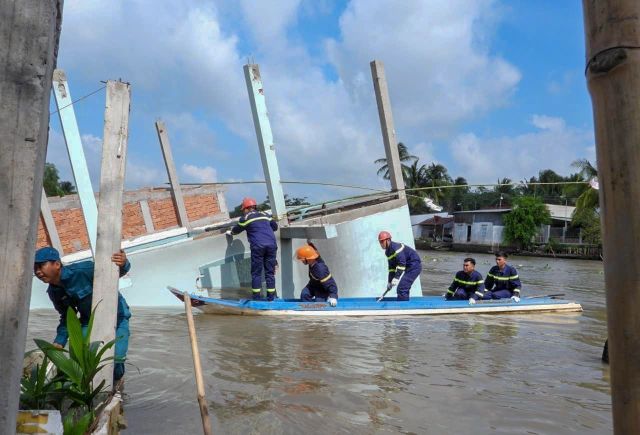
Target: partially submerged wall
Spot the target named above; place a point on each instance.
(145, 211)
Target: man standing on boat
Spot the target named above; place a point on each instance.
(321, 287)
(467, 284)
(502, 280)
(262, 242)
(72, 286)
(404, 265)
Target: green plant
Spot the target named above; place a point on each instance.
(80, 363)
(77, 423)
(524, 220)
(37, 391)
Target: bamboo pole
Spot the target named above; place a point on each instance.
(29, 35)
(202, 401)
(612, 33)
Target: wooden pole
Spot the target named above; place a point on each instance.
(105, 279)
(29, 35)
(612, 32)
(176, 191)
(386, 125)
(202, 401)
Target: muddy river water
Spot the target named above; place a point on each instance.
(482, 374)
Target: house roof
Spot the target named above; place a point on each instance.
(437, 220)
(560, 212)
(557, 212)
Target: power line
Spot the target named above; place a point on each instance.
(79, 99)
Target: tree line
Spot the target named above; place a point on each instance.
(454, 194)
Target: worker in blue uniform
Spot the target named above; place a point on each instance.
(321, 286)
(262, 242)
(502, 281)
(72, 286)
(404, 265)
(467, 284)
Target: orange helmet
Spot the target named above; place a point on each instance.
(248, 202)
(306, 252)
(384, 235)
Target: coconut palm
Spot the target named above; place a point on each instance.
(436, 175)
(588, 198)
(405, 157)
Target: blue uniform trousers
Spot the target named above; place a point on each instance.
(404, 286)
(119, 348)
(311, 296)
(501, 294)
(263, 257)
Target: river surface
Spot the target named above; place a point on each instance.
(480, 374)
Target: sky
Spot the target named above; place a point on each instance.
(488, 88)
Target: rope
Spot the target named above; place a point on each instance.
(79, 99)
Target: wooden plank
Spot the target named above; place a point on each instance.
(30, 30)
(386, 125)
(613, 77)
(49, 223)
(176, 191)
(105, 281)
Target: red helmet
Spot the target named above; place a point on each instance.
(248, 202)
(384, 235)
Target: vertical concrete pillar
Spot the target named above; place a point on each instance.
(105, 280)
(386, 125)
(29, 35)
(265, 140)
(612, 33)
(176, 191)
(78, 161)
(49, 223)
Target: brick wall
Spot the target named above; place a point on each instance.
(204, 204)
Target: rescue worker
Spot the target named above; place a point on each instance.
(262, 242)
(467, 284)
(502, 281)
(72, 286)
(404, 265)
(321, 286)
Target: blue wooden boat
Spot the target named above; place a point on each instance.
(426, 305)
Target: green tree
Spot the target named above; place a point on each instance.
(52, 184)
(405, 158)
(524, 220)
(436, 175)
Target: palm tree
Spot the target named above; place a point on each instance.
(405, 157)
(588, 198)
(436, 175)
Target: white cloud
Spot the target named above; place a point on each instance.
(554, 146)
(437, 59)
(197, 174)
(545, 122)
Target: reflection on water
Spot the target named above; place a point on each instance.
(534, 373)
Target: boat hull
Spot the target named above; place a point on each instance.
(352, 307)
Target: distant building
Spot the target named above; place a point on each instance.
(437, 228)
(417, 219)
(483, 229)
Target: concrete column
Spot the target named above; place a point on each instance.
(265, 141)
(176, 191)
(76, 154)
(146, 216)
(49, 223)
(105, 280)
(386, 125)
(29, 35)
(612, 34)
